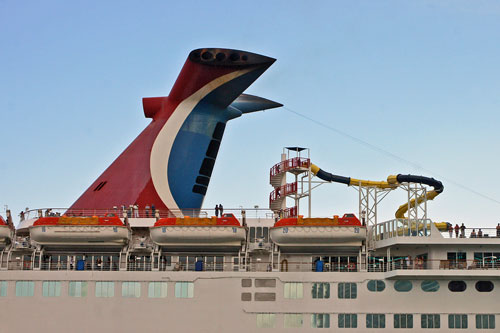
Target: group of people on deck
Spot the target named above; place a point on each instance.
(219, 209)
(460, 231)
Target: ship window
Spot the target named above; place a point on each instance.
(100, 186)
(252, 234)
(457, 259)
(207, 167)
(25, 288)
(199, 189)
(266, 320)
(430, 321)
(51, 288)
(347, 290)
(348, 320)
(293, 320)
(403, 320)
(430, 285)
(485, 321)
(157, 289)
(320, 290)
(486, 260)
(376, 285)
(484, 286)
(131, 289)
(77, 289)
(294, 290)
(265, 234)
(457, 286)
(184, 289)
(403, 286)
(104, 289)
(213, 148)
(3, 288)
(320, 320)
(259, 232)
(219, 131)
(375, 320)
(203, 180)
(457, 321)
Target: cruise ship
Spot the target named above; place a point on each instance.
(137, 252)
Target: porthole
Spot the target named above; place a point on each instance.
(430, 285)
(376, 285)
(457, 286)
(403, 286)
(484, 286)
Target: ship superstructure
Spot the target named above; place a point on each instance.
(143, 255)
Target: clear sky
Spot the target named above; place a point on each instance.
(418, 79)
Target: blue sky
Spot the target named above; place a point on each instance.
(419, 79)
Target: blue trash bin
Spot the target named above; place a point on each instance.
(198, 266)
(319, 266)
(80, 265)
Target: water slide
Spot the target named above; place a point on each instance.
(392, 182)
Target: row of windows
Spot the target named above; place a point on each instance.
(348, 290)
(375, 320)
(156, 289)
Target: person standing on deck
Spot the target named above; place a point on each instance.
(216, 210)
(498, 230)
(457, 229)
(462, 231)
(221, 209)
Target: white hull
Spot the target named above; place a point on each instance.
(317, 236)
(79, 235)
(210, 236)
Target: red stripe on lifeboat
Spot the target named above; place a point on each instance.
(111, 220)
(2, 221)
(346, 220)
(225, 220)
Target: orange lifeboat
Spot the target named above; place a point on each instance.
(197, 232)
(5, 233)
(318, 232)
(68, 230)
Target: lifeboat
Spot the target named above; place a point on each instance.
(5, 233)
(318, 232)
(78, 231)
(193, 232)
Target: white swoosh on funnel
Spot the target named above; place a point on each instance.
(160, 152)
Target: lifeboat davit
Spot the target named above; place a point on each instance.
(5, 233)
(78, 231)
(193, 232)
(300, 232)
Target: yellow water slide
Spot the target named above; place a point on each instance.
(392, 182)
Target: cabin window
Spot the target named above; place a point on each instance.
(457, 286)
(320, 290)
(266, 320)
(375, 320)
(265, 234)
(77, 289)
(403, 320)
(293, 320)
(252, 234)
(486, 260)
(3, 288)
(51, 288)
(259, 233)
(376, 285)
(184, 289)
(25, 288)
(320, 320)
(485, 321)
(457, 259)
(484, 286)
(104, 289)
(430, 321)
(348, 320)
(457, 321)
(294, 290)
(157, 289)
(403, 286)
(131, 289)
(347, 290)
(430, 285)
